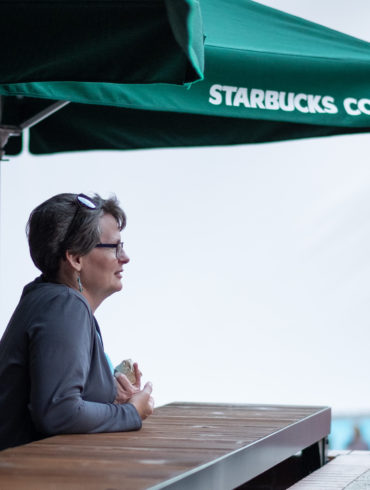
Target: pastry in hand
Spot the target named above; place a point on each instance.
(126, 367)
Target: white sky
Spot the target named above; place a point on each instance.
(249, 273)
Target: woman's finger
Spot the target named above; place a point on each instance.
(123, 381)
(138, 375)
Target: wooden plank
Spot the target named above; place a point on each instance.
(348, 469)
(181, 446)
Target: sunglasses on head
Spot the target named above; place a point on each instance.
(84, 201)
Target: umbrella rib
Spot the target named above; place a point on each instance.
(7, 131)
(48, 111)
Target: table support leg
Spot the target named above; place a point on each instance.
(290, 471)
(315, 456)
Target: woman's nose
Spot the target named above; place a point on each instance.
(123, 257)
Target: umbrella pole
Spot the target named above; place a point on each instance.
(7, 131)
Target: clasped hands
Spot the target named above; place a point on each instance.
(125, 389)
(132, 393)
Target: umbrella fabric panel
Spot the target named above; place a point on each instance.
(248, 85)
(140, 41)
(265, 64)
(189, 34)
(79, 129)
(260, 64)
(269, 76)
(276, 66)
(247, 25)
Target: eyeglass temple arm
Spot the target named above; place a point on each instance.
(7, 131)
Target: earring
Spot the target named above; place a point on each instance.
(80, 288)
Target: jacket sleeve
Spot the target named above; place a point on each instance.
(60, 345)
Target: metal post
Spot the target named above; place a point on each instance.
(1, 208)
(7, 131)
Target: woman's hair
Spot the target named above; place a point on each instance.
(62, 223)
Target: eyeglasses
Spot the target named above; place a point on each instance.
(118, 246)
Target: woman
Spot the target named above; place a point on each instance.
(54, 375)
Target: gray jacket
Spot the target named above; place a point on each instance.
(54, 376)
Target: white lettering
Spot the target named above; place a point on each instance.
(215, 97)
(362, 103)
(290, 105)
(297, 102)
(256, 98)
(348, 103)
(285, 101)
(241, 97)
(313, 103)
(272, 100)
(229, 91)
(329, 105)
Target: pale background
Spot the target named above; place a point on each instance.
(249, 278)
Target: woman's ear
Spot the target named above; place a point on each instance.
(74, 261)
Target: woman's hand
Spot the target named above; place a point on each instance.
(125, 389)
(143, 401)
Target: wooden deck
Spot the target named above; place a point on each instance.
(346, 469)
(182, 446)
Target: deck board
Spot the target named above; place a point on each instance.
(348, 469)
(181, 446)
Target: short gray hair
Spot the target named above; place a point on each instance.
(50, 233)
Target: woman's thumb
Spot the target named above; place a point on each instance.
(148, 388)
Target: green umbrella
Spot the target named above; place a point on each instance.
(268, 76)
(95, 41)
(122, 41)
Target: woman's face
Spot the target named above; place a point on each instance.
(101, 271)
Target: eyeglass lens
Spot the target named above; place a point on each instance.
(86, 201)
(119, 250)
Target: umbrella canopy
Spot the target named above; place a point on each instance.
(124, 41)
(268, 76)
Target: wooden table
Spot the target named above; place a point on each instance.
(182, 446)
